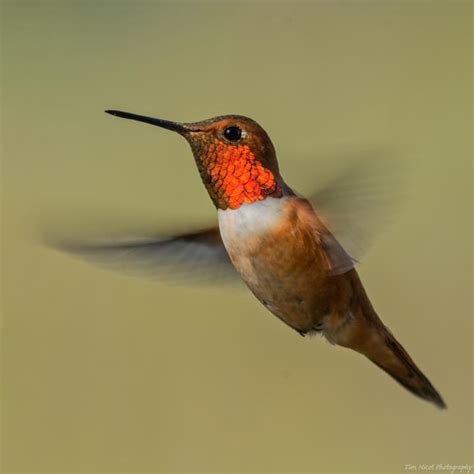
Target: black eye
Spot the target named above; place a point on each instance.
(233, 133)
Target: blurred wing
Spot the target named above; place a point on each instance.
(339, 261)
(198, 257)
(359, 203)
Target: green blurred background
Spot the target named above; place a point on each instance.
(102, 372)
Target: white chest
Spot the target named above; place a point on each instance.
(249, 220)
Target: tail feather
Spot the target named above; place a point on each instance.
(378, 344)
(364, 332)
(398, 364)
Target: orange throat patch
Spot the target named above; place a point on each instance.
(234, 176)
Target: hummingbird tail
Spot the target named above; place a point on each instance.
(379, 345)
(394, 360)
(366, 333)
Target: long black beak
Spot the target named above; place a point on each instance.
(175, 126)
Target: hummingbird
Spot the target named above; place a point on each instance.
(275, 241)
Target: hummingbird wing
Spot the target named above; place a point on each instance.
(360, 202)
(190, 257)
(339, 261)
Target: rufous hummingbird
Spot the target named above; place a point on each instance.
(277, 242)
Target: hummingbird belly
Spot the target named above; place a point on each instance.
(274, 245)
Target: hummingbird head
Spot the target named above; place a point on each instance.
(234, 155)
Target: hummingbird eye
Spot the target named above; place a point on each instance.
(233, 133)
